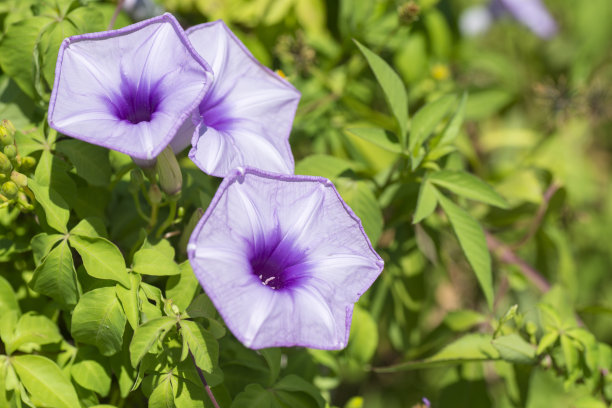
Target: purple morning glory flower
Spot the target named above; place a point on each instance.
(246, 116)
(128, 89)
(283, 259)
(531, 13)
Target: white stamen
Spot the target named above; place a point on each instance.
(268, 280)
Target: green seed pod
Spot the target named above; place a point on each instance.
(20, 179)
(169, 172)
(10, 190)
(5, 164)
(10, 151)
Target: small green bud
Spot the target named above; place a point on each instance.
(28, 164)
(169, 172)
(136, 180)
(20, 179)
(8, 125)
(155, 195)
(5, 137)
(5, 164)
(408, 12)
(180, 212)
(10, 151)
(10, 190)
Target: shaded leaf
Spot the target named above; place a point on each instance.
(98, 319)
(202, 345)
(467, 185)
(376, 136)
(514, 349)
(323, 165)
(101, 258)
(56, 209)
(426, 203)
(31, 332)
(393, 88)
(471, 347)
(56, 277)
(91, 161)
(146, 335)
(362, 201)
(473, 242)
(45, 381)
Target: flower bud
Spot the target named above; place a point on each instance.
(169, 172)
(8, 125)
(136, 180)
(408, 12)
(9, 190)
(28, 164)
(10, 151)
(155, 195)
(20, 179)
(5, 137)
(5, 164)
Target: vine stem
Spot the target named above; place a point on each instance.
(206, 386)
(537, 221)
(111, 24)
(507, 255)
(169, 220)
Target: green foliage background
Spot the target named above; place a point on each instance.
(480, 167)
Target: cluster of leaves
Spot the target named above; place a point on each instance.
(488, 204)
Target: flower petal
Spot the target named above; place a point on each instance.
(129, 89)
(248, 104)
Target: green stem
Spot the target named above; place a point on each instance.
(169, 220)
(122, 172)
(139, 208)
(154, 214)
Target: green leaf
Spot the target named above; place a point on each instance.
(548, 340)
(462, 320)
(393, 88)
(292, 385)
(98, 319)
(323, 165)
(182, 288)
(426, 203)
(454, 125)
(424, 123)
(129, 300)
(56, 277)
(485, 103)
(467, 185)
(471, 347)
(273, 357)
(17, 49)
(92, 227)
(42, 244)
(202, 345)
(56, 210)
(163, 395)
(146, 335)
(91, 371)
(31, 332)
(255, 396)
(91, 161)
(8, 299)
(45, 382)
(363, 339)
(101, 258)
(473, 242)
(362, 201)
(376, 136)
(514, 349)
(150, 261)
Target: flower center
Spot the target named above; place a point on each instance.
(135, 103)
(278, 264)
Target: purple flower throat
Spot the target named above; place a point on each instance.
(277, 263)
(135, 103)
